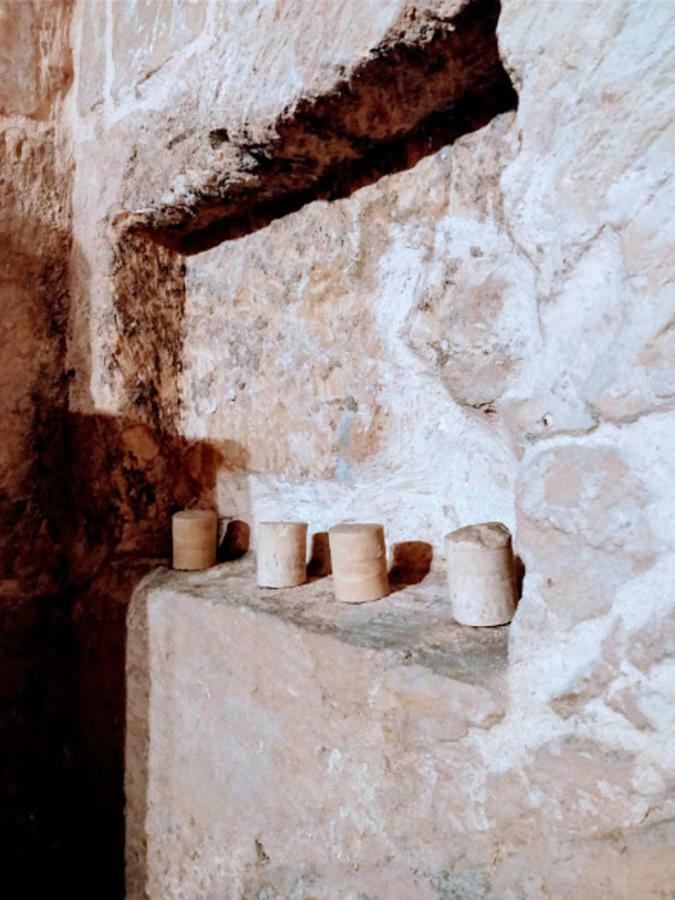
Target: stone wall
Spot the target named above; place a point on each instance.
(484, 332)
(35, 232)
(36, 776)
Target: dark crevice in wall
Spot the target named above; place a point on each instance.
(406, 101)
(394, 156)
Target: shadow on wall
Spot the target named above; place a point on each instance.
(39, 798)
(40, 804)
(320, 563)
(233, 541)
(411, 563)
(131, 477)
(519, 570)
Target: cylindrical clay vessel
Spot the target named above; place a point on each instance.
(359, 562)
(282, 554)
(481, 574)
(194, 534)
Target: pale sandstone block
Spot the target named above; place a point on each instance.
(284, 745)
(359, 560)
(193, 533)
(282, 554)
(481, 574)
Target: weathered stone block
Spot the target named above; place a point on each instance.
(279, 741)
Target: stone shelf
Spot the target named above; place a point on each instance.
(276, 736)
(414, 623)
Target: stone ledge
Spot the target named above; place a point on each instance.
(278, 740)
(414, 622)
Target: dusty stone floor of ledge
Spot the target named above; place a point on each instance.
(414, 622)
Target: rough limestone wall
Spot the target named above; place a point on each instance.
(328, 347)
(592, 652)
(35, 175)
(487, 335)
